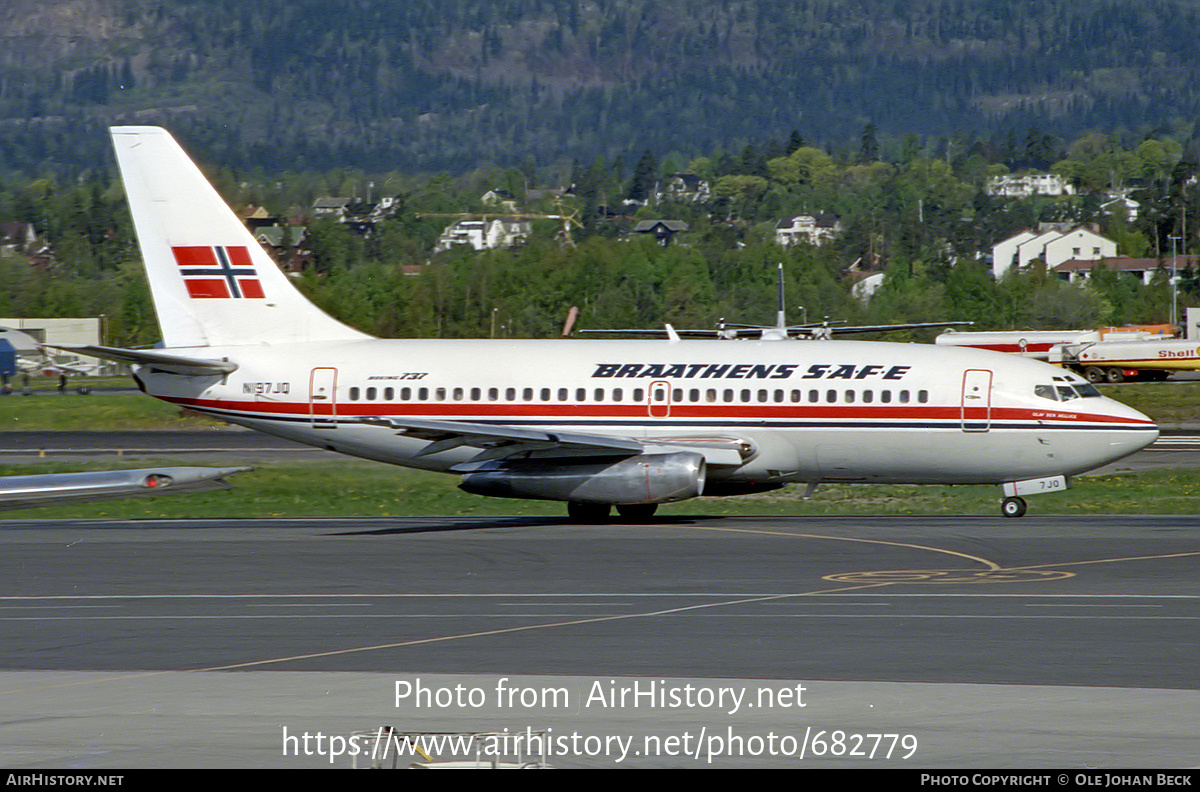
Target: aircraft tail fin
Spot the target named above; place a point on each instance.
(212, 283)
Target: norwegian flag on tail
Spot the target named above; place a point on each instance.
(218, 272)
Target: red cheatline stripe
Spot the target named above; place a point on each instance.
(638, 411)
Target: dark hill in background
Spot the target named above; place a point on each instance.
(451, 84)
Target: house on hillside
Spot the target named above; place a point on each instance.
(17, 237)
(1053, 245)
(257, 217)
(1122, 203)
(501, 198)
(287, 244)
(1024, 186)
(498, 232)
(683, 187)
(662, 230)
(331, 207)
(1076, 270)
(815, 229)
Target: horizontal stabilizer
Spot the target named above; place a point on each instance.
(50, 489)
(171, 364)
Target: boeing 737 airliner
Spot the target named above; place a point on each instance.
(596, 424)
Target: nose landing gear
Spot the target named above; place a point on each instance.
(1013, 504)
(1013, 507)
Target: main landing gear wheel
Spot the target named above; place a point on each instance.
(1013, 507)
(637, 512)
(588, 512)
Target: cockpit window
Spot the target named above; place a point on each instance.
(1086, 390)
(1066, 392)
(1046, 392)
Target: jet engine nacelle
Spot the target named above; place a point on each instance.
(649, 478)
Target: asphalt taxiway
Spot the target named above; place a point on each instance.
(1041, 642)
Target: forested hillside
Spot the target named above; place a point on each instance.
(450, 84)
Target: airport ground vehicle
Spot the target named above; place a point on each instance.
(1105, 355)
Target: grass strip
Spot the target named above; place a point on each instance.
(355, 488)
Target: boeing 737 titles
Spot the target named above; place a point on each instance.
(594, 423)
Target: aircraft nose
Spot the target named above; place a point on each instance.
(1141, 430)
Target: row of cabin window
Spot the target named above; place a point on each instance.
(695, 395)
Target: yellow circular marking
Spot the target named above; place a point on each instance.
(949, 576)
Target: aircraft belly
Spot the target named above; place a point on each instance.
(938, 456)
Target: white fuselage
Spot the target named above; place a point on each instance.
(799, 411)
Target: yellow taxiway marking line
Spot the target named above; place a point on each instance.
(1110, 560)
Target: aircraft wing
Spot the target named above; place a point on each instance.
(498, 441)
(50, 489)
(172, 364)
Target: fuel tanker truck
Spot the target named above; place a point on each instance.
(1109, 354)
